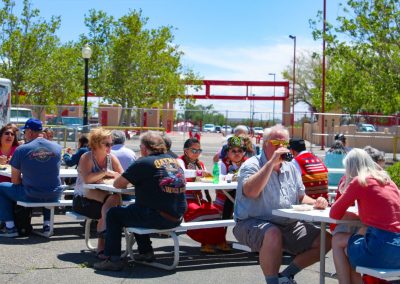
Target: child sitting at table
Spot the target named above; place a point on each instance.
(378, 200)
(198, 208)
(236, 155)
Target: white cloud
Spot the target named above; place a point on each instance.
(250, 63)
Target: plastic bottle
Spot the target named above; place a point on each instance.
(215, 173)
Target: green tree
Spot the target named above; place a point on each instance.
(364, 56)
(33, 58)
(142, 66)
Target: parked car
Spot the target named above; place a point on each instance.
(66, 125)
(364, 127)
(218, 128)
(226, 129)
(209, 127)
(258, 130)
(20, 115)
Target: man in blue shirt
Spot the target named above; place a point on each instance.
(35, 174)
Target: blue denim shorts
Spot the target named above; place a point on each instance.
(378, 248)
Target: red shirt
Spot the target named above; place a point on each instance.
(378, 205)
(3, 178)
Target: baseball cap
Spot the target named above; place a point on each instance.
(340, 136)
(32, 124)
(236, 141)
(297, 144)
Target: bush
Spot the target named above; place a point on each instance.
(394, 172)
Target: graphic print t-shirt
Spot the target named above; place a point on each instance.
(39, 162)
(159, 183)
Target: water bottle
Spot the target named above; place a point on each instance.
(215, 173)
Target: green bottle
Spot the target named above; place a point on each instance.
(215, 173)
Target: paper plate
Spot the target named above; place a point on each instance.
(303, 207)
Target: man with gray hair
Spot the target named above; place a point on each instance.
(267, 182)
(376, 155)
(125, 155)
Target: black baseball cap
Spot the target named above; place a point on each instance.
(297, 144)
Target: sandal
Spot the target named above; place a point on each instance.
(224, 247)
(209, 249)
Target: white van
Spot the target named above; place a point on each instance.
(5, 100)
(19, 115)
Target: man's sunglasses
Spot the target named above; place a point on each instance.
(108, 145)
(279, 142)
(195, 151)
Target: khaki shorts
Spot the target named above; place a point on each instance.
(297, 237)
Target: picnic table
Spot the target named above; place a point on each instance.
(316, 215)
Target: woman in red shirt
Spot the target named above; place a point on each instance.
(198, 208)
(378, 200)
(8, 144)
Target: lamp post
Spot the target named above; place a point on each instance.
(294, 78)
(323, 80)
(86, 54)
(273, 105)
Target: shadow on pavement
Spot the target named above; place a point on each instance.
(190, 259)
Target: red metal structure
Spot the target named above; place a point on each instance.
(246, 95)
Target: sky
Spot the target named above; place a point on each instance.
(221, 39)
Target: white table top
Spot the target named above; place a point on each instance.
(211, 186)
(313, 215)
(64, 173)
(189, 186)
(109, 188)
(336, 170)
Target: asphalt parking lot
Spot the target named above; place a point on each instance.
(63, 258)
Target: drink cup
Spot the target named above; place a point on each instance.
(190, 173)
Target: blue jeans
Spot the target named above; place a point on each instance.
(132, 216)
(11, 193)
(378, 248)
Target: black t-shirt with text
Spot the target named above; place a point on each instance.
(159, 183)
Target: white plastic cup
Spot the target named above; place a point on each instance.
(190, 173)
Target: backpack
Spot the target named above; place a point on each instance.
(22, 220)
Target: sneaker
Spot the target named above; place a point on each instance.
(207, 249)
(9, 233)
(109, 265)
(286, 280)
(46, 229)
(147, 257)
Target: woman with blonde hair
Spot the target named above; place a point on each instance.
(378, 200)
(97, 166)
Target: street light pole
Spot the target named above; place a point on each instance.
(86, 54)
(323, 81)
(294, 78)
(273, 105)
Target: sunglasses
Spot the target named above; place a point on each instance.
(195, 151)
(108, 145)
(9, 133)
(279, 142)
(237, 151)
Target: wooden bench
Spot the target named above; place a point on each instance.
(172, 233)
(48, 205)
(385, 274)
